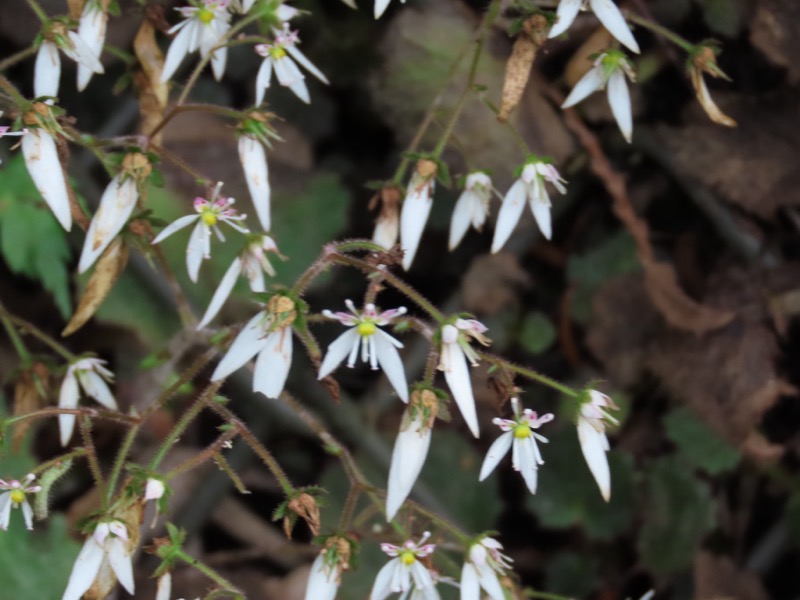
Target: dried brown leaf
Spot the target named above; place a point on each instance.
(153, 94)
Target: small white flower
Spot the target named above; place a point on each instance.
(326, 571)
(592, 420)
(609, 71)
(253, 263)
(47, 70)
(410, 449)
(273, 346)
(481, 569)
(256, 173)
(41, 160)
(381, 5)
(377, 347)
(605, 11)
(404, 570)
(92, 30)
(203, 28)
(91, 375)
(529, 187)
(15, 496)
(109, 545)
(416, 208)
(454, 353)
(520, 438)
(154, 489)
(472, 207)
(280, 56)
(209, 213)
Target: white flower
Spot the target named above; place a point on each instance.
(416, 208)
(410, 449)
(253, 263)
(92, 30)
(91, 375)
(256, 174)
(154, 489)
(109, 545)
(404, 569)
(14, 496)
(377, 347)
(454, 352)
(326, 573)
(280, 57)
(605, 11)
(609, 71)
(272, 343)
(47, 70)
(471, 208)
(381, 5)
(592, 420)
(531, 187)
(41, 160)
(209, 213)
(203, 28)
(521, 439)
(481, 569)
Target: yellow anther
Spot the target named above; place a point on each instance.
(278, 52)
(209, 218)
(366, 328)
(17, 496)
(522, 431)
(205, 15)
(407, 557)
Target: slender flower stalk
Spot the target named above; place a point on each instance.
(14, 495)
(90, 375)
(593, 419)
(605, 11)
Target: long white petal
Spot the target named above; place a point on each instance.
(593, 80)
(47, 70)
(218, 62)
(310, 67)
(510, 212)
(92, 30)
(27, 515)
(541, 212)
(176, 225)
(83, 54)
(383, 581)
(380, 7)
(413, 217)
(263, 79)
(338, 351)
(250, 341)
(177, 50)
(222, 292)
(67, 398)
(196, 250)
(85, 570)
(273, 363)
(41, 159)
(565, 14)
(392, 365)
(457, 376)
(470, 586)
(612, 19)
(256, 174)
(96, 387)
(408, 457)
(116, 206)
(487, 577)
(120, 562)
(620, 101)
(462, 217)
(321, 581)
(289, 75)
(594, 445)
(525, 462)
(496, 453)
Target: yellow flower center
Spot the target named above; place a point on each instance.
(366, 328)
(521, 431)
(205, 15)
(17, 496)
(407, 557)
(209, 218)
(278, 52)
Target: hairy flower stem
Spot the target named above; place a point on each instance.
(349, 506)
(211, 451)
(212, 109)
(119, 461)
(208, 572)
(662, 31)
(185, 377)
(430, 366)
(108, 415)
(225, 466)
(85, 425)
(529, 373)
(16, 340)
(38, 10)
(42, 467)
(526, 151)
(18, 57)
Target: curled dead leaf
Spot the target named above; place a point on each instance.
(520, 62)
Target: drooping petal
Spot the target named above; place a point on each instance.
(289, 75)
(85, 570)
(510, 212)
(462, 217)
(309, 66)
(116, 206)
(5, 510)
(391, 363)
(380, 7)
(593, 80)
(96, 387)
(487, 578)
(525, 462)
(176, 225)
(41, 159)
(273, 363)
(383, 581)
(594, 445)
(218, 61)
(263, 79)
(413, 216)
(421, 575)
(256, 174)
(456, 373)
(67, 398)
(338, 351)
(196, 250)
(177, 51)
(496, 453)
(408, 457)
(120, 562)
(620, 101)
(541, 212)
(322, 584)
(565, 15)
(611, 18)
(250, 341)
(83, 54)
(47, 70)
(27, 515)
(92, 30)
(222, 292)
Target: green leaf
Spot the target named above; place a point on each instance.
(32, 242)
(568, 496)
(725, 17)
(538, 333)
(679, 512)
(698, 444)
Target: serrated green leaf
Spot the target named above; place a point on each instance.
(679, 512)
(698, 444)
(538, 333)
